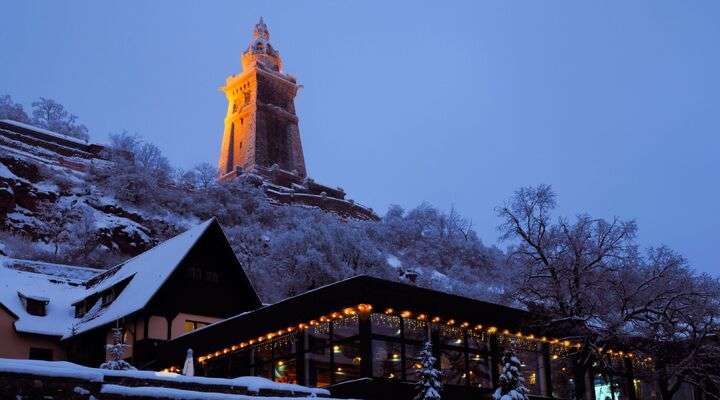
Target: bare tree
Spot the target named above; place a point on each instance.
(589, 281)
(49, 114)
(11, 110)
(682, 334)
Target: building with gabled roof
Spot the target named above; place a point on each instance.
(59, 312)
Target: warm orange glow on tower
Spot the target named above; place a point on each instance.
(261, 128)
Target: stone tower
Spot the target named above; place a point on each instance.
(261, 128)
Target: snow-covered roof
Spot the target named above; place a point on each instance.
(146, 273)
(58, 283)
(65, 285)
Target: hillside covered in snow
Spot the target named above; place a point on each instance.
(66, 201)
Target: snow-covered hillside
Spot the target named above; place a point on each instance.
(79, 208)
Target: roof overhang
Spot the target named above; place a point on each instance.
(379, 293)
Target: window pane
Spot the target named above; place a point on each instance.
(644, 383)
(415, 330)
(347, 361)
(262, 354)
(412, 361)
(346, 327)
(387, 362)
(262, 360)
(216, 367)
(562, 376)
(319, 367)
(240, 364)
(479, 371)
(452, 365)
(451, 336)
(285, 371)
(477, 340)
(613, 388)
(387, 325)
(530, 369)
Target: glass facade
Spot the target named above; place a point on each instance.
(563, 384)
(388, 347)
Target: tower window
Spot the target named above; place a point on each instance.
(234, 108)
(230, 155)
(241, 121)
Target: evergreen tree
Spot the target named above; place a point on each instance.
(512, 384)
(117, 350)
(428, 386)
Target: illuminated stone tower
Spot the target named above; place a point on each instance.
(261, 128)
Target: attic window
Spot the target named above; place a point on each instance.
(34, 305)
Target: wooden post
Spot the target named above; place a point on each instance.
(494, 359)
(300, 358)
(630, 376)
(365, 331)
(546, 372)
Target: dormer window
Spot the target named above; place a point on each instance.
(108, 297)
(34, 305)
(80, 309)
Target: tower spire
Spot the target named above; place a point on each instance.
(261, 30)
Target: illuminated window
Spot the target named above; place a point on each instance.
(346, 361)
(387, 359)
(478, 374)
(530, 369)
(412, 361)
(452, 366)
(561, 376)
(190, 326)
(284, 371)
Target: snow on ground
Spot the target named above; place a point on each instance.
(394, 262)
(65, 369)
(6, 173)
(168, 393)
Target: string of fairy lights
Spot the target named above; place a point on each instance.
(418, 322)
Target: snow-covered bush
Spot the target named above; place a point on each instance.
(11, 110)
(512, 384)
(49, 114)
(428, 385)
(117, 350)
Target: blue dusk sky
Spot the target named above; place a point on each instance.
(614, 103)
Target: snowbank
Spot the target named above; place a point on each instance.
(63, 369)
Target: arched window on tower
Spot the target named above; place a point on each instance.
(231, 150)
